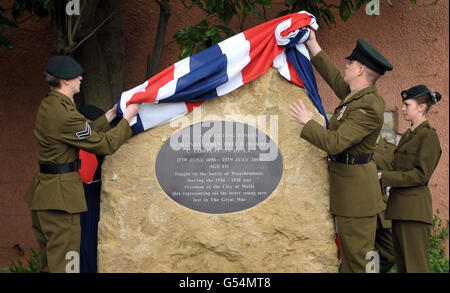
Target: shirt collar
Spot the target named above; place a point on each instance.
(413, 127)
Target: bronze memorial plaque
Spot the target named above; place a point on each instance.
(219, 167)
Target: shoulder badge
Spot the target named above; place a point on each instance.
(84, 133)
(367, 101)
(67, 105)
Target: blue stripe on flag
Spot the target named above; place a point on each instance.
(304, 69)
(208, 70)
(138, 126)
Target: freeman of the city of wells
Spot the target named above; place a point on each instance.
(232, 138)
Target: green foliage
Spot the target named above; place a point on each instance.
(319, 8)
(438, 260)
(37, 7)
(34, 264)
(5, 23)
(193, 39)
(225, 10)
(19, 7)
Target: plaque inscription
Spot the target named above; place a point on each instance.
(219, 167)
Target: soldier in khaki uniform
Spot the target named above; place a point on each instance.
(415, 159)
(355, 195)
(383, 156)
(56, 196)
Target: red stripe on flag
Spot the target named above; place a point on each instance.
(263, 49)
(191, 105)
(297, 21)
(154, 83)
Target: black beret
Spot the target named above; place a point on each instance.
(63, 67)
(91, 112)
(370, 57)
(420, 90)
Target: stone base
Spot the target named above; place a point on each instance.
(143, 230)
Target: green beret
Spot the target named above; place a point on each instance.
(370, 57)
(63, 67)
(420, 90)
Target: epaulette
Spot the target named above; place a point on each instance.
(68, 106)
(368, 101)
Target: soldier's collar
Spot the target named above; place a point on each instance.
(61, 96)
(358, 93)
(423, 123)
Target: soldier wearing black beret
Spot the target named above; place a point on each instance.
(55, 195)
(355, 194)
(409, 205)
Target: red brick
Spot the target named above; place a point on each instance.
(17, 132)
(18, 166)
(16, 230)
(11, 198)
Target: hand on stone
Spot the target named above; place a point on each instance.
(300, 112)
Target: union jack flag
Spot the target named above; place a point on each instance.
(222, 68)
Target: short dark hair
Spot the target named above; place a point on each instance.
(53, 82)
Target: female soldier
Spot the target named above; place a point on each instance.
(409, 206)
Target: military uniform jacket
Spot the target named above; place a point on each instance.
(354, 128)
(415, 159)
(383, 157)
(61, 131)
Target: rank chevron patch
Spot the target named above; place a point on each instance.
(84, 133)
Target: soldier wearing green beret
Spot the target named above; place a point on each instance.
(355, 195)
(415, 159)
(55, 195)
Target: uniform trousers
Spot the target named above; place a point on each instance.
(411, 246)
(57, 233)
(356, 239)
(385, 248)
(89, 228)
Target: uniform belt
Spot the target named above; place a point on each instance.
(351, 159)
(60, 168)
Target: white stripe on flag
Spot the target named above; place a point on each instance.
(237, 50)
(283, 41)
(280, 63)
(126, 96)
(302, 49)
(181, 68)
(153, 115)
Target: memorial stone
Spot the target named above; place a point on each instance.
(265, 209)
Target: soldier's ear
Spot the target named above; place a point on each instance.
(64, 82)
(361, 70)
(422, 108)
